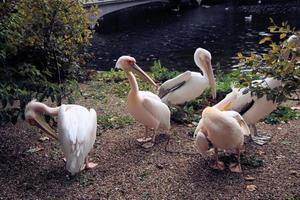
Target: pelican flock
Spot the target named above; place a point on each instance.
(189, 85)
(76, 131)
(145, 107)
(223, 125)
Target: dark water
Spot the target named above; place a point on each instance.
(155, 33)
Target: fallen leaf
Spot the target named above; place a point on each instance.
(260, 152)
(33, 150)
(251, 188)
(190, 125)
(42, 139)
(249, 178)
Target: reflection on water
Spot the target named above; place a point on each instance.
(172, 37)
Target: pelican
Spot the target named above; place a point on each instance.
(76, 131)
(293, 42)
(145, 107)
(252, 108)
(189, 85)
(224, 130)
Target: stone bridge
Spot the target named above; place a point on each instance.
(103, 7)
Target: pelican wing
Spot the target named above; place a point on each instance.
(240, 120)
(174, 83)
(246, 107)
(159, 111)
(150, 95)
(77, 134)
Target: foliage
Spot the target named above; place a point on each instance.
(160, 73)
(113, 121)
(281, 62)
(42, 44)
(111, 76)
(225, 81)
(282, 114)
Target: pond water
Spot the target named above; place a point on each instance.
(156, 32)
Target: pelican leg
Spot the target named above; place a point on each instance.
(89, 165)
(236, 167)
(219, 165)
(150, 143)
(259, 139)
(146, 137)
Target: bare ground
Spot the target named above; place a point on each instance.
(127, 171)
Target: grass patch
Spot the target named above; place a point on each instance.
(160, 73)
(113, 121)
(251, 161)
(282, 114)
(85, 180)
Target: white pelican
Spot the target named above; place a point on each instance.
(224, 130)
(146, 107)
(189, 85)
(294, 44)
(76, 131)
(252, 108)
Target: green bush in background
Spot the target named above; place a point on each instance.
(42, 45)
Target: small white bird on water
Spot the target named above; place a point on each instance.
(248, 18)
(145, 107)
(189, 85)
(76, 131)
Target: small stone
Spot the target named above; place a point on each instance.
(293, 172)
(42, 139)
(159, 166)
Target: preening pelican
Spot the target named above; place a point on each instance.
(76, 131)
(225, 130)
(252, 108)
(145, 107)
(189, 85)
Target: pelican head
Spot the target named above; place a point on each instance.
(229, 100)
(294, 41)
(30, 113)
(202, 59)
(128, 64)
(202, 144)
(33, 115)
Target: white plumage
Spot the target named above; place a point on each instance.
(225, 130)
(252, 108)
(76, 131)
(144, 106)
(189, 85)
(77, 128)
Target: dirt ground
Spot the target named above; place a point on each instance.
(127, 171)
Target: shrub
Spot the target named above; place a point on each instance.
(42, 44)
(281, 61)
